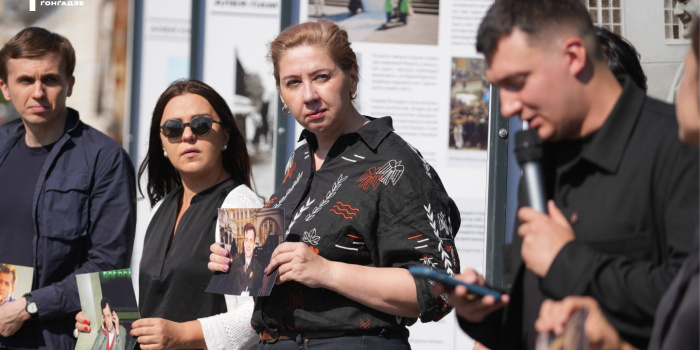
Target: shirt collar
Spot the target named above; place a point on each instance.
(607, 145)
(372, 133)
(72, 119)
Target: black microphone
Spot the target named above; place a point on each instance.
(528, 151)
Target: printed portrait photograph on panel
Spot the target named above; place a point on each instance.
(469, 105)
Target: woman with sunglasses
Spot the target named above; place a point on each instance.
(197, 162)
(360, 206)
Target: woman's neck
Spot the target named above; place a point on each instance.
(192, 185)
(353, 122)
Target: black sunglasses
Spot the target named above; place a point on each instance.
(200, 126)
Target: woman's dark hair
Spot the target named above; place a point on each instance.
(695, 39)
(162, 176)
(621, 56)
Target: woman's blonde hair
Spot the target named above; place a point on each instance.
(323, 34)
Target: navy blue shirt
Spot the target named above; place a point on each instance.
(83, 217)
(18, 177)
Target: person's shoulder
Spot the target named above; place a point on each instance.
(655, 108)
(93, 138)
(239, 259)
(9, 128)
(658, 120)
(656, 132)
(242, 196)
(396, 147)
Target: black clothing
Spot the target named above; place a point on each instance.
(249, 279)
(676, 323)
(630, 191)
(173, 270)
(18, 177)
(374, 202)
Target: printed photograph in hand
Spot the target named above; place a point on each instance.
(107, 296)
(250, 236)
(15, 281)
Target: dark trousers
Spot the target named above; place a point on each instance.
(344, 342)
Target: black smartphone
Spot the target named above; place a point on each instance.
(443, 277)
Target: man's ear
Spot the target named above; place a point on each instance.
(71, 82)
(575, 54)
(5, 92)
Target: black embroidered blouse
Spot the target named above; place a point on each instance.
(374, 202)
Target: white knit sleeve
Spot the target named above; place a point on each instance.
(232, 329)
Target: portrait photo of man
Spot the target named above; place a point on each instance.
(112, 335)
(8, 279)
(249, 237)
(246, 267)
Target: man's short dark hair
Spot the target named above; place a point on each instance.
(248, 227)
(621, 56)
(537, 18)
(34, 42)
(104, 302)
(7, 268)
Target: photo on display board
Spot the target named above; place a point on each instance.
(469, 105)
(250, 236)
(15, 281)
(107, 299)
(382, 21)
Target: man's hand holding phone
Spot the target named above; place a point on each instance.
(469, 306)
(115, 322)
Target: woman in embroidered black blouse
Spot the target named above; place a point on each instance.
(361, 204)
(196, 161)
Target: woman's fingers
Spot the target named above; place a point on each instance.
(219, 260)
(82, 323)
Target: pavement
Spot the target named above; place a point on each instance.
(421, 29)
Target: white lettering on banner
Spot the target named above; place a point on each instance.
(58, 3)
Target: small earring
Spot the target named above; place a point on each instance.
(165, 153)
(286, 110)
(353, 95)
(225, 147)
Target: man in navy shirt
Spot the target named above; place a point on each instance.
(68, 192)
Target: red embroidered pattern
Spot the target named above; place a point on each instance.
(347, 211)
(371, 177)
(365, 324)
(290, 172)
(272, 200)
